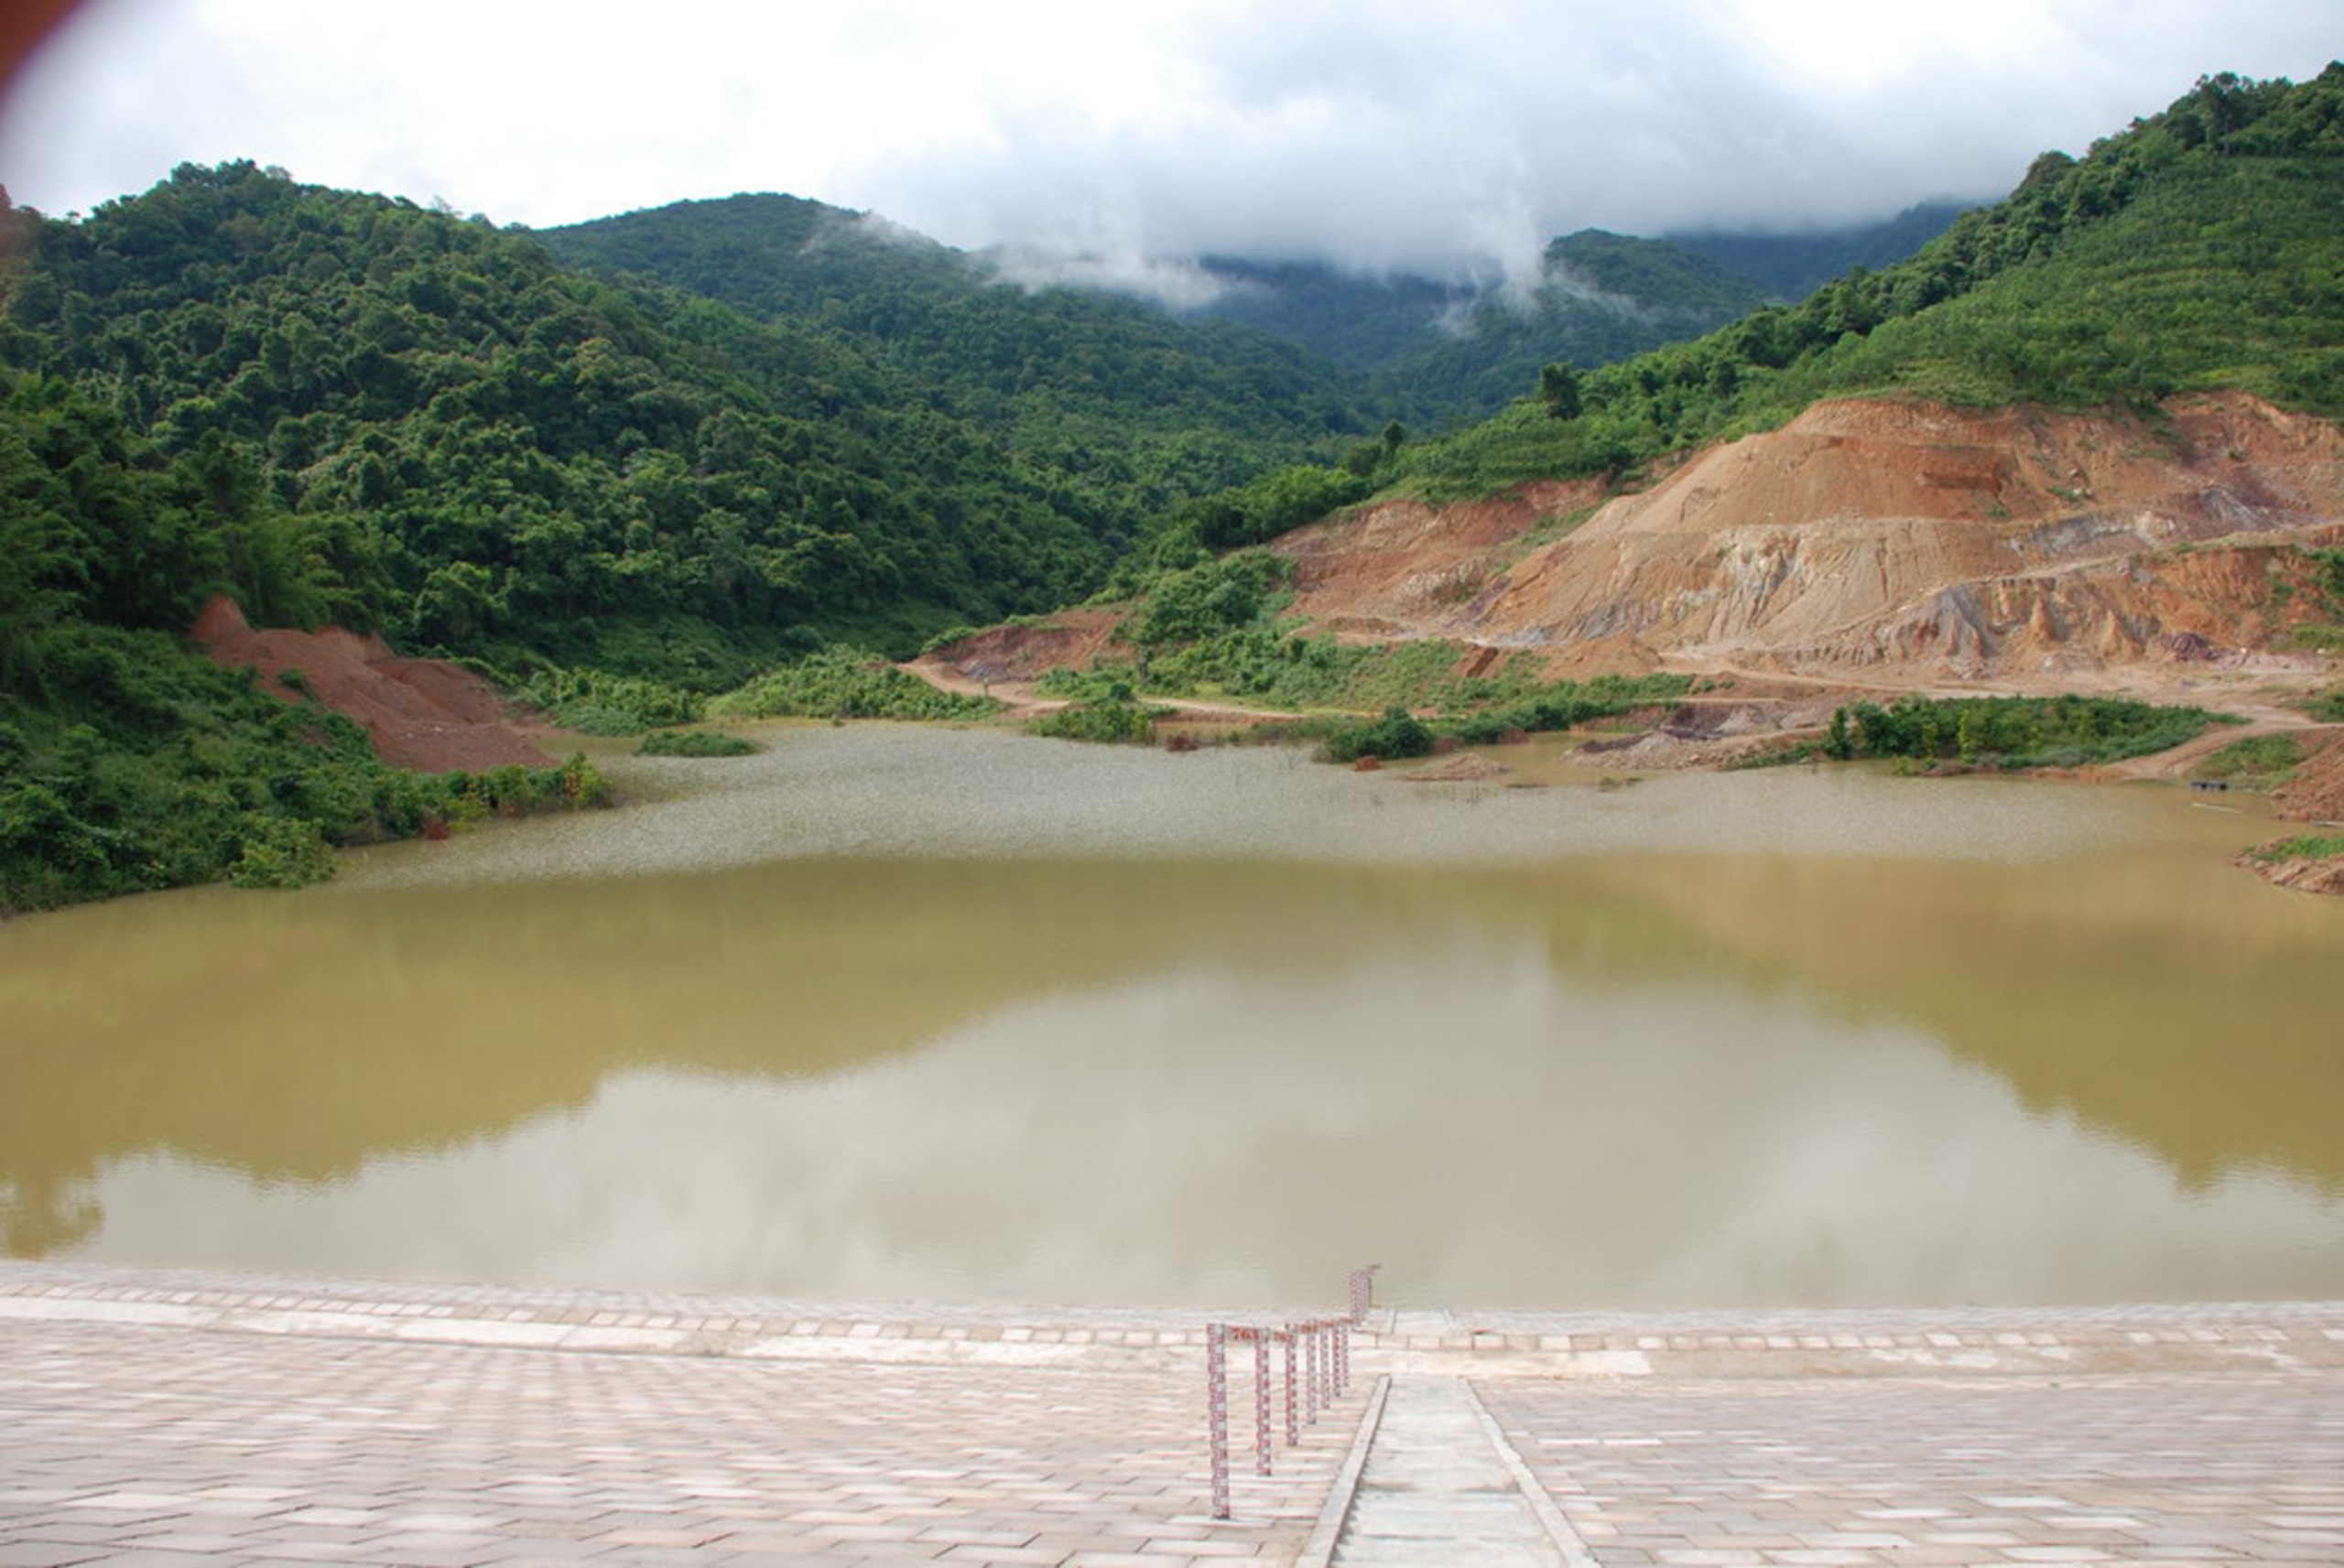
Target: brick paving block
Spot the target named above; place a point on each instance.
(897, 1532)
(978, 1535)
(46, 1554)
(305, 1551)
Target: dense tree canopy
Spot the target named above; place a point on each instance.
(449, 434)
(128, 764)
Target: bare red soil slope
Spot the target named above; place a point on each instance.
(1880, 542)
(420, 713)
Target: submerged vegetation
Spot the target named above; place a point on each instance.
(1508, 710)
(1395, 736)
(696, 743)
(593, 702)
(1114, 720)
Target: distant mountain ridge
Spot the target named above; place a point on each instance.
(1789, 267)
(1427, 350)
(1437, 352)
(950, 317)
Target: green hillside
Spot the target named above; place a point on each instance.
(128, 764)
(2201, 248)
(535, 463)
(1075, 380)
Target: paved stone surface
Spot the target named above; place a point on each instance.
(1839, 1343)
(1435, 1490)
(178, 1418)
(2145, 1467)
(277, 1440)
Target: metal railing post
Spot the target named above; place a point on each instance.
(1217, 1411)
(1261, 1402)
(1317, 1374)
(1310, 1372)
(1293, 1421)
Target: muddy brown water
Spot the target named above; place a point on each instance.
(897, 1012)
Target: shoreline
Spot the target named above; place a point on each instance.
(1562, 1342)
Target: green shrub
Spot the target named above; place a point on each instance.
(1210, 599)
(157, 769)
(695, 743)
(2013, 732)
(1112, 721)
(1397, 735)
(594, 702)
(281, 852)
(846, 683)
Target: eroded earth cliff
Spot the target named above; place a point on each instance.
(1884, 543)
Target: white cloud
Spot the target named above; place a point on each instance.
(1382, 135)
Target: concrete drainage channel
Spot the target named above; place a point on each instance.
(1431, 1479)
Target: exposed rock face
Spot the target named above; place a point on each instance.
(1067, 640)
(420, 713)
(1872, 540)
(1405, 568)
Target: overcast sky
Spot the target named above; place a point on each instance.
(1436, 136)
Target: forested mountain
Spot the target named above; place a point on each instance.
(514, 457)
(129, 761)
(1604, 297)
(1790, 267)
(1437, 353)
(1073, 378)
(2200, 248)
(1431, 353)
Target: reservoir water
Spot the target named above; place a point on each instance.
(921, 1013)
